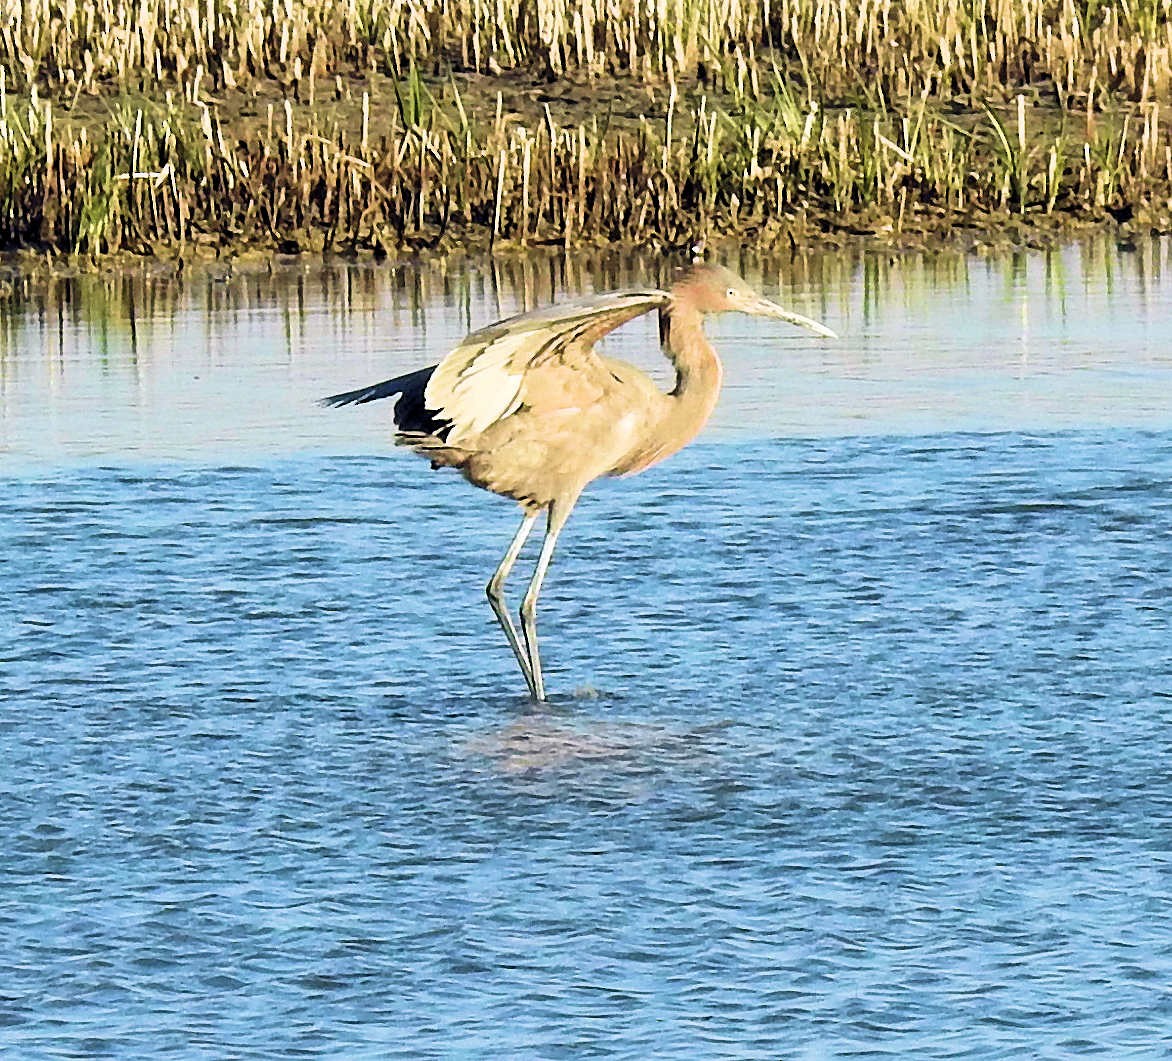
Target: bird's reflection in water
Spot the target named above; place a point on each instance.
(546, 740)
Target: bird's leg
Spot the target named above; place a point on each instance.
(496, 596)
(555, 520)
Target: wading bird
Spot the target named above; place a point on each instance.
(526, 408)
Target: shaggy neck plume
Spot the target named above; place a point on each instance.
(698, 373)
(687, 408)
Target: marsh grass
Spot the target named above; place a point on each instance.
(371, 123)
(880, 51)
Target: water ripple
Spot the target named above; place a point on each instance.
(878, 772)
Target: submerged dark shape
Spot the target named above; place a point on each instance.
(527, 409)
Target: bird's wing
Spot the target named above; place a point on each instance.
(480, 382)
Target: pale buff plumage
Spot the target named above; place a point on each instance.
(528, 409)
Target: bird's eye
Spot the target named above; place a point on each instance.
(731, 292)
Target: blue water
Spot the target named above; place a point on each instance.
(858, 747)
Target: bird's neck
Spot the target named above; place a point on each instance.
(688, 406)
(698, 372)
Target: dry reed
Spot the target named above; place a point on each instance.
(883, 49)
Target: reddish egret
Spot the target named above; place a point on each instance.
(526, 408)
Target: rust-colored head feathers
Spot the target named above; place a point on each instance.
(710, 288)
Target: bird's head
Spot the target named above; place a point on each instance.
(714, 289)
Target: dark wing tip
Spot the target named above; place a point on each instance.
(363, 394)
(411, 411)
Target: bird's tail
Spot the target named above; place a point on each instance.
(412, 416)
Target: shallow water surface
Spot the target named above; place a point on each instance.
(858, 732)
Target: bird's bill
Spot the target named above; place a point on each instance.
(762, 307)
